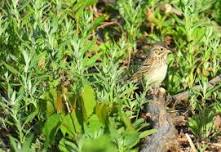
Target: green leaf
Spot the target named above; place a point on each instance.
(96, 23)
(84, 4)
(77, 122)
(26, 146)
(127, 122)
(70, 125)
(103, 110)
(50, 128)
(10, 68)
(67, 146)
(131, 138)
(30, 117)
(147, 133)
(49, 99)
(13, 143)
(50, 108)
(89, 62)
(67, 126)
(88, 98)
(81, 5)
(100, 144)
(93, 126)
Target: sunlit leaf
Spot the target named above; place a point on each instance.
(78, 125)
(70, 125)
(131, 138)
(26, 146)
(103, 144)
(147, 133)
(93, 126)
(67, 146)
(88, 98)
(103, 110)
(10, 68)
(50, 127)
(127, 122)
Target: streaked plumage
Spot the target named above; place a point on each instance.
(154, 68)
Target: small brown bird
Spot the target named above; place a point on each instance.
(154, 68)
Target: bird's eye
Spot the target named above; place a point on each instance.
(161, 49)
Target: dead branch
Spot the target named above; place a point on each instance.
(105, 24)
(165, 138)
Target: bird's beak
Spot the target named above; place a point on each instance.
(169, 51)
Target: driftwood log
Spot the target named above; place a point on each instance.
(164, 139)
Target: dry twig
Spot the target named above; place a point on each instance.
(193, 148)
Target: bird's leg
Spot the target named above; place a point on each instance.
(154, 91)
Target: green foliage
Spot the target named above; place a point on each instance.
(90, 121)
(203, 124)
(89, 101)
(62, 83)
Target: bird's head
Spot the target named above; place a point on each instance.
(159, 51)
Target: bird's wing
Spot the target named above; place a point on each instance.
(144, 69)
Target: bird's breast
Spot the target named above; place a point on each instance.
(158, 74)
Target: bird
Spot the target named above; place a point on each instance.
(154, 68)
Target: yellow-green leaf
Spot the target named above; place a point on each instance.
(103, 110)
(89, 101)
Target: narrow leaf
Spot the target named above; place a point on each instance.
(10, 68)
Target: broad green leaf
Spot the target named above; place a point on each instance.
(50, 108)
(67, 146)
(50, 127)
(93, 126)
(131, 138)
(103, 110)
(78, 125)
(88, 98)
(127, 122)
(67, 127)
(100, 144)
(70, 125)
(50, 98)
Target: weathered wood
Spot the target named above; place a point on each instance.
(165, 138)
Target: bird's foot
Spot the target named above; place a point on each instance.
(157, 92)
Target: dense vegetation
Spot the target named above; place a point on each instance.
(63, 71)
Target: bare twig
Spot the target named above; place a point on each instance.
(193, 148)
(218, 145)
(105, 24)
(185, 95)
